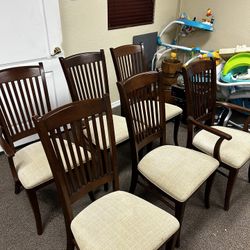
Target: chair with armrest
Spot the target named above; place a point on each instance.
(118, 220)
(24, 93)
(175, 172)
(86, 75)
(230, 146)
(129, 60)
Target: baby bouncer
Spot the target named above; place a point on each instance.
(233, 80)
(187, 26)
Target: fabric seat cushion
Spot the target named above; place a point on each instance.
(235, 152)
(172, 111)
(177, 171)
(120, 128)
(121, 220)
(33, 167)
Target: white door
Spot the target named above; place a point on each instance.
(31, 33)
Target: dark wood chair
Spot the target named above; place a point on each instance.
(129, 60)
(176, 172)
(79, 166)
(230, 146)
(86, 75)
(24, 93)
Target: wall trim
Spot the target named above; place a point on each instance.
(115, 104)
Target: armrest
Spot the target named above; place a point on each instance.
(210, 129)
(222, 135)
(237, 108)
(233, 106)
(6, 147)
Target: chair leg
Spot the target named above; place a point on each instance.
(134, 180)
(91, 196)
(149, 147)
(106, 187)
(179, 214)
(209, 184)
(18, 186)
(70, 241)
(170, 245)
(35, 207)
(17, 183)
(249, 174)
(230, 184)
(177, 121)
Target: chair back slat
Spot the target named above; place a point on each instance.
(128, 60)
(67, 133)
(200, 86)
(144, 107)
(86, 75)
(23, 94)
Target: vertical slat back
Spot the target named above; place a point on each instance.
(23, 94)
(78, 165)
(128, 60)
(200, 85)
(144, 107)
(86, 75)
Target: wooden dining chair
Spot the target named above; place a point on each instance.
(118, 220)
(230, 146)
(24, 93)
(87, 78)
(129, 60)
(174, 172)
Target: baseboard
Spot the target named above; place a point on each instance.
(115, 104)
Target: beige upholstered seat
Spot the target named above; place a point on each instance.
(32, 165)
(172, 111)
(121, 130)
(177, 171)
(235, 152)
(121, 220)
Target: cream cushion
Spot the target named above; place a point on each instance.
(120, 128)
(177, 171)
(122, 221)
(33, 167)
(171, 110)
(235, 152)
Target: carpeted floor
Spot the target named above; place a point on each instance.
(202, 228)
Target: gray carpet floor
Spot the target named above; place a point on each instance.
(203, 228)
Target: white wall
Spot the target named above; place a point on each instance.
(85, 28)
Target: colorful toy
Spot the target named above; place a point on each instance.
(187, 26)
(238, 60)
(233, 79)
(209, 17)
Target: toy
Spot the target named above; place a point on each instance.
(208, 15)
(210, 54)
(238, 60)
(233, 80)
(187, 26)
